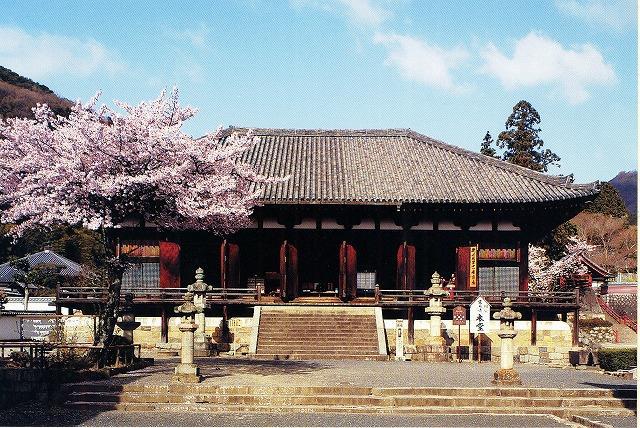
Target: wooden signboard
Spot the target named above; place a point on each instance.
(459, 315)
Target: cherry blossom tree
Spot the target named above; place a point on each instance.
(545, 273)
(102, 166)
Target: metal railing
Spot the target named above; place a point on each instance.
(620, 319)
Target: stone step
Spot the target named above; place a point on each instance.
(204, 388)
(562, 412)
(286, 348)
(312, 340)
(350, 400)
(317, 345)
(321, 356)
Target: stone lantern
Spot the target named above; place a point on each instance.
(435, 309)
(199, 290)
(127, 320)
(507, 375)
(187, 370)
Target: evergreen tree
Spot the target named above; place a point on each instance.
(485, 147)
(608, 202)
(522, 144)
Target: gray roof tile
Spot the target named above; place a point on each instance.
(390, 167)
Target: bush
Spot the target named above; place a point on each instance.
(594, 322)
(612, 359)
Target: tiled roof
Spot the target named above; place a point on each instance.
(69, 268)
(390, 167)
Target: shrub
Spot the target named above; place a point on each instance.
(612, 359)
(594, 322)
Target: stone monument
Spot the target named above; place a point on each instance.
(199, 290)
(506, 374)
(187, 370)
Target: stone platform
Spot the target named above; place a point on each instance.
(250, 385)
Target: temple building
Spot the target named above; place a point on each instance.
(364, 213)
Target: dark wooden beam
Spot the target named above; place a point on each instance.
(164, 325)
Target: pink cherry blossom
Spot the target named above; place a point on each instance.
(101, 166)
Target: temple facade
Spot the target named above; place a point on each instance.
(365, 217)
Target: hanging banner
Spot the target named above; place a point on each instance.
(473, 267)
(480, 315)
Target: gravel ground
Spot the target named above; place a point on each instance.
(28, 415)
(240, 371)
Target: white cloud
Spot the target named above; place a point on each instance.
(539, 60)
(416, 60)
(616, 14)
(364, 12)
(45, 54)
(198, 37)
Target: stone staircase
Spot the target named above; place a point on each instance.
(564, 403)
(307, 333)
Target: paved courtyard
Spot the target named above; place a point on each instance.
(255, 372)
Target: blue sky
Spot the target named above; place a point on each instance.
(450, 70)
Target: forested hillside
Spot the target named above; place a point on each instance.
(19, 94)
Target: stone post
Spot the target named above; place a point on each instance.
(399, 341)
(199, 290)
(128, 321)
(507, 375)
(187, 370)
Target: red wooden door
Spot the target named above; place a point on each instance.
(348, 273)
(288, 271)
(467, 268)
(169, 264)
(406, 267)
(229, 265)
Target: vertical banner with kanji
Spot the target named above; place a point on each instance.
(473, 267)
(480, 315)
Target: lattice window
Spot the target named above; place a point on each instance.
(145, 269)
(494, 279)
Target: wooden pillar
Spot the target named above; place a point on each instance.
(410, 325)
(225, 336)
(576, 327)
(534, 327)
(164, 325)
(524, 266)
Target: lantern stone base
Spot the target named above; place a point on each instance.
(187, 373)
(506, 377)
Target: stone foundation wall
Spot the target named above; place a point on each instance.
(553, 339)
(148, 334)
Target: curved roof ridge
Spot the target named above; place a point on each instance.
(320, 132)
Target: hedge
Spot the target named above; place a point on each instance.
(612, 359)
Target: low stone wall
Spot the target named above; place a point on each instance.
(553, 339)
(148, 334)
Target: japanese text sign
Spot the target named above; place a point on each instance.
(480, 316)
